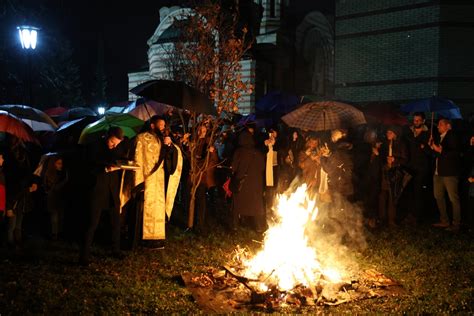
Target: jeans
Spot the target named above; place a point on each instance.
(440, 186)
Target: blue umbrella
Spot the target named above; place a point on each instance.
(444, 107)
(452, 114)
(433, 104)
(252, 119)
(277, 102)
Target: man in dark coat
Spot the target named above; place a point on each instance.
(105, 194)
(446, 173)
(419, 165)
(248, 165)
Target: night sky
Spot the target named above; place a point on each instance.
(123, 29)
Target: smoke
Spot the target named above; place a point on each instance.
(337, 233)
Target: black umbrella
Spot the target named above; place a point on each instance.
(175, 93)
(76, 113)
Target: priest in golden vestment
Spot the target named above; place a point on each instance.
(160, 164)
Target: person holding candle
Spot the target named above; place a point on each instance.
(394, 155)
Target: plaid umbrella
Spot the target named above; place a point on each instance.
(327, 115)
(36, 119)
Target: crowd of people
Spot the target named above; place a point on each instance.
(398, 175)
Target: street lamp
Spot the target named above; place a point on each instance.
(28, 36)
(28, 39)
(101, 110)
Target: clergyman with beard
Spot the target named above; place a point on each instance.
(160, 162)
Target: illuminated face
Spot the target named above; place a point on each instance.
(443, 126)
(418, 121)
(58, 164)
(313, 143)
(160, 125)
(202, 131)
(336, 135)
(391, 135)
(113, 142)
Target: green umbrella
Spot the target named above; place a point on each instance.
(94, 131)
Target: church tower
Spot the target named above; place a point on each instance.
(271, 15)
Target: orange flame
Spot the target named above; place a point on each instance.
(286, 259)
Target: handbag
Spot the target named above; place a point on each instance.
(235, 185)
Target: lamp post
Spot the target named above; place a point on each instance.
(28, 39)
(101, 110)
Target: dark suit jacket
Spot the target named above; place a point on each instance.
(449, 163)
(105, 186)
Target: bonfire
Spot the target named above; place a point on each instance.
(286, 269)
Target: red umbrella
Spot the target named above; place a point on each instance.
(56, 111)
(12, 125)
(384, 114)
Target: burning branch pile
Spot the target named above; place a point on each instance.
(286, 271)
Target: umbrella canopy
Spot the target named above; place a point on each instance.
(116, 109)
(452, 114)
(175, 93)
(145, 109)
(433, 104)
(14, 126)
(94, 131)
(56, 111)
(36, 119)
(308, 98)
(384, 113)
(75, 113)
(80, 123)
(252, 119)
(327, 115)
(277, 102)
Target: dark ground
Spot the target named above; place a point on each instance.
(435, 267)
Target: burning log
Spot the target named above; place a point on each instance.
(226, 291)
(286, 271)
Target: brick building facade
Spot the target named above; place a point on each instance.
(402, 50)
(358, 51)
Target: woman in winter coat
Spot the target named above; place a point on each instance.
(248, 165)
(55, 179)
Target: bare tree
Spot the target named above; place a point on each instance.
(208, 57)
